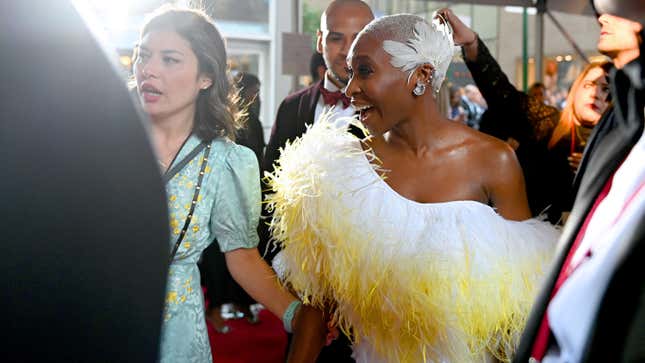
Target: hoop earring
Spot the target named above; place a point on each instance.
(420, 89)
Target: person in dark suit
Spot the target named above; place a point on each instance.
(339, 25)
(590, 308)
(83, 212)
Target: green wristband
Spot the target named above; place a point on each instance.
(287, 317)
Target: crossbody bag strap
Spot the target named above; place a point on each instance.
(198, 187)
(180, 165)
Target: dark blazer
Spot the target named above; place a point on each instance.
(618, 332)
(294, 114)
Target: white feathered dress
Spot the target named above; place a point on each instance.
(412, 282)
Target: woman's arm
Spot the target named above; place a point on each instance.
(516, 114)
(506, 185)
(234, 219)
(259, 280)
(497, 90)
(309, 337)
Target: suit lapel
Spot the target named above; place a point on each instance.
(310, 112)
(307, 109)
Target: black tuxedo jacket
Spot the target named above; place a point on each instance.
(618, 332)
(294, 114)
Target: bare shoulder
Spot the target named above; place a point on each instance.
(500, 174)
(495, 150)
(489, 152)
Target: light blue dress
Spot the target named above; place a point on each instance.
(228, 210)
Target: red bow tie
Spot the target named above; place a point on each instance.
(332, 98)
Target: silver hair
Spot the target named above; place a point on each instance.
(411, 42)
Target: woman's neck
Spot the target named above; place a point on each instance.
(172, 127)
(169, 133)
(418, 133)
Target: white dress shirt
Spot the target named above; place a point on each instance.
(572, 311)
(339, 112)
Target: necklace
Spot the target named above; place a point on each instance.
(175, 151)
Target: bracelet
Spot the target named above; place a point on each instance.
(289, 314)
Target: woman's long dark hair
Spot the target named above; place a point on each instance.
(216, 113)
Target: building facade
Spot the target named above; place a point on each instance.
(254, 31)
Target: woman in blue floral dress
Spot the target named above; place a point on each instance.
(212, 184)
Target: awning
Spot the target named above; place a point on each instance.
(581, 7)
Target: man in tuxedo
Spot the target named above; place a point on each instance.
(591, 307)
(339, 25)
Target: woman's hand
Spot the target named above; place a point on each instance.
(574, 161)
(332, 333)
(461, 33)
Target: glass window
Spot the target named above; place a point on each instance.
(241, 17)
(248, 63)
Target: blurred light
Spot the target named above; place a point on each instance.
(558, 58)
(112, 14)
(125, 60)
(519, 10)
(531, 60)
(117, 16)
(568, 58)
(599, 58)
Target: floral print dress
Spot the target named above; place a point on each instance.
(228, 211)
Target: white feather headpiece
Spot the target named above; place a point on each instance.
(432, 43)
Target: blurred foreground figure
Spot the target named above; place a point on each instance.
(590, 308)
(83, 208)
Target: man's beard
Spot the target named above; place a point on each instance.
(336, 77)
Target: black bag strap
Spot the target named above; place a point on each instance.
(170, 173)
(198, 187)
